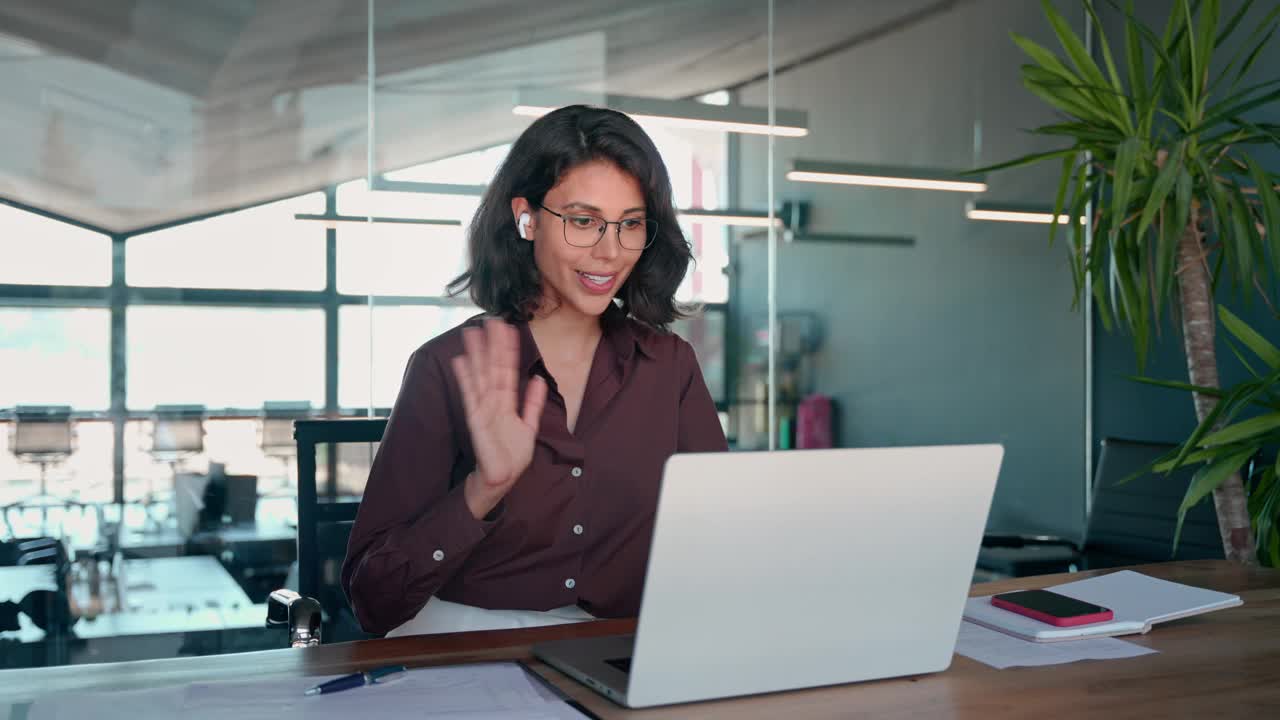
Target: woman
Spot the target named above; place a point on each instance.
(517, 480)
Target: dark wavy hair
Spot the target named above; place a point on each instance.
(502, 275)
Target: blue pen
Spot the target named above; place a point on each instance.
(355, 680)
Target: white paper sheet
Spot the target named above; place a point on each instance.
(473, 692)
(1003, 651)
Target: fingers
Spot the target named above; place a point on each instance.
(489, 365)
(535, 397)
(476, 356)
(504, 354)
(462, 371)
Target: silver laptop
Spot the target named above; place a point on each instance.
(777, 571)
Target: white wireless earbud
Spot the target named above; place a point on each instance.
(522, 226)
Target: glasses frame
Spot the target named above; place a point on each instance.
(564, 222)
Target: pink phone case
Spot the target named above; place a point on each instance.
(1089, 619)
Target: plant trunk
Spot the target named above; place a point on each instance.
(1202, 366)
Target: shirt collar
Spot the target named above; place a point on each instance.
(623, 334)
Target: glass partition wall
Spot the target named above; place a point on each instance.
(218, 219)
(904, 316)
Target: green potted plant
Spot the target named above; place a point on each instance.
(1158, 141)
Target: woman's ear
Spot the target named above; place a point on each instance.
(523, 214)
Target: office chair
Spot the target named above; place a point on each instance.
(323, 530)
(42, 435)
(177, 433)
(49, 610)
(275, 438)
(1130, 523)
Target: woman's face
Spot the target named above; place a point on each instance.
(583, 279)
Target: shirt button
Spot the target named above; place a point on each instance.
(576, 472)
(569, 583)
(577, 529)
(437, 555)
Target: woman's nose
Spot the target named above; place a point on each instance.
(608, 247)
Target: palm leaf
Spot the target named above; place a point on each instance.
(1122, 106)
(1252, 339)
(1230, 27)
(1206, 480)
(1171, 464)
(1270, 208)
(1269, 25)
(1204, 43)
(1083, 61)
(1126, 160)
(1024, 160)
(1082, 132)
(1164, 183)
(1243, 430)
(1060, 197)
(1236, 110)
(1137, 68)
(1243, 47)
(1246, 241)
(1178, 224)
(1044, 57)
(1221, 209)
(1065, 96)
(1235, 350)
(1175, 385)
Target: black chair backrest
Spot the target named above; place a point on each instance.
(1134, 522)
(32, 551)
(324, 527)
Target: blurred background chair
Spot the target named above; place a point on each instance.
(177, 433)
(324, 523)
(46, 601)
(275, 438)
(42, 435)
(1130, 523)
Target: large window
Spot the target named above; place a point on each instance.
(414, 260)
(236, 350)
(262, 248)
(394, 334)
(224, 357)
(696, 162)
(473, 168)
(40, 251)
(55, 356)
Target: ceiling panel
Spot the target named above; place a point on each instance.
(130, 113)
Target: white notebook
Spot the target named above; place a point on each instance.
(1137, 602)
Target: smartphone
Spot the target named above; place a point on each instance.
(1052, 608)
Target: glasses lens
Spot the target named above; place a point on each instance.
(583, 230)
(637, 233)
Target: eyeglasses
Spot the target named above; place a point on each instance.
(585, 230)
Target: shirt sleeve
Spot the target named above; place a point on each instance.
(412, 532)
(700, 429)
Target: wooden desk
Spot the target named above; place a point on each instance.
(1218, 665)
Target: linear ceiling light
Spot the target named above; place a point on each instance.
(742, 218)
(808, 237)
(676, 113)
(1014, 213)
(883, 176)
(333, 221)
(382, 184)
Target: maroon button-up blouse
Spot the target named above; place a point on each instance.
(575, 528)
